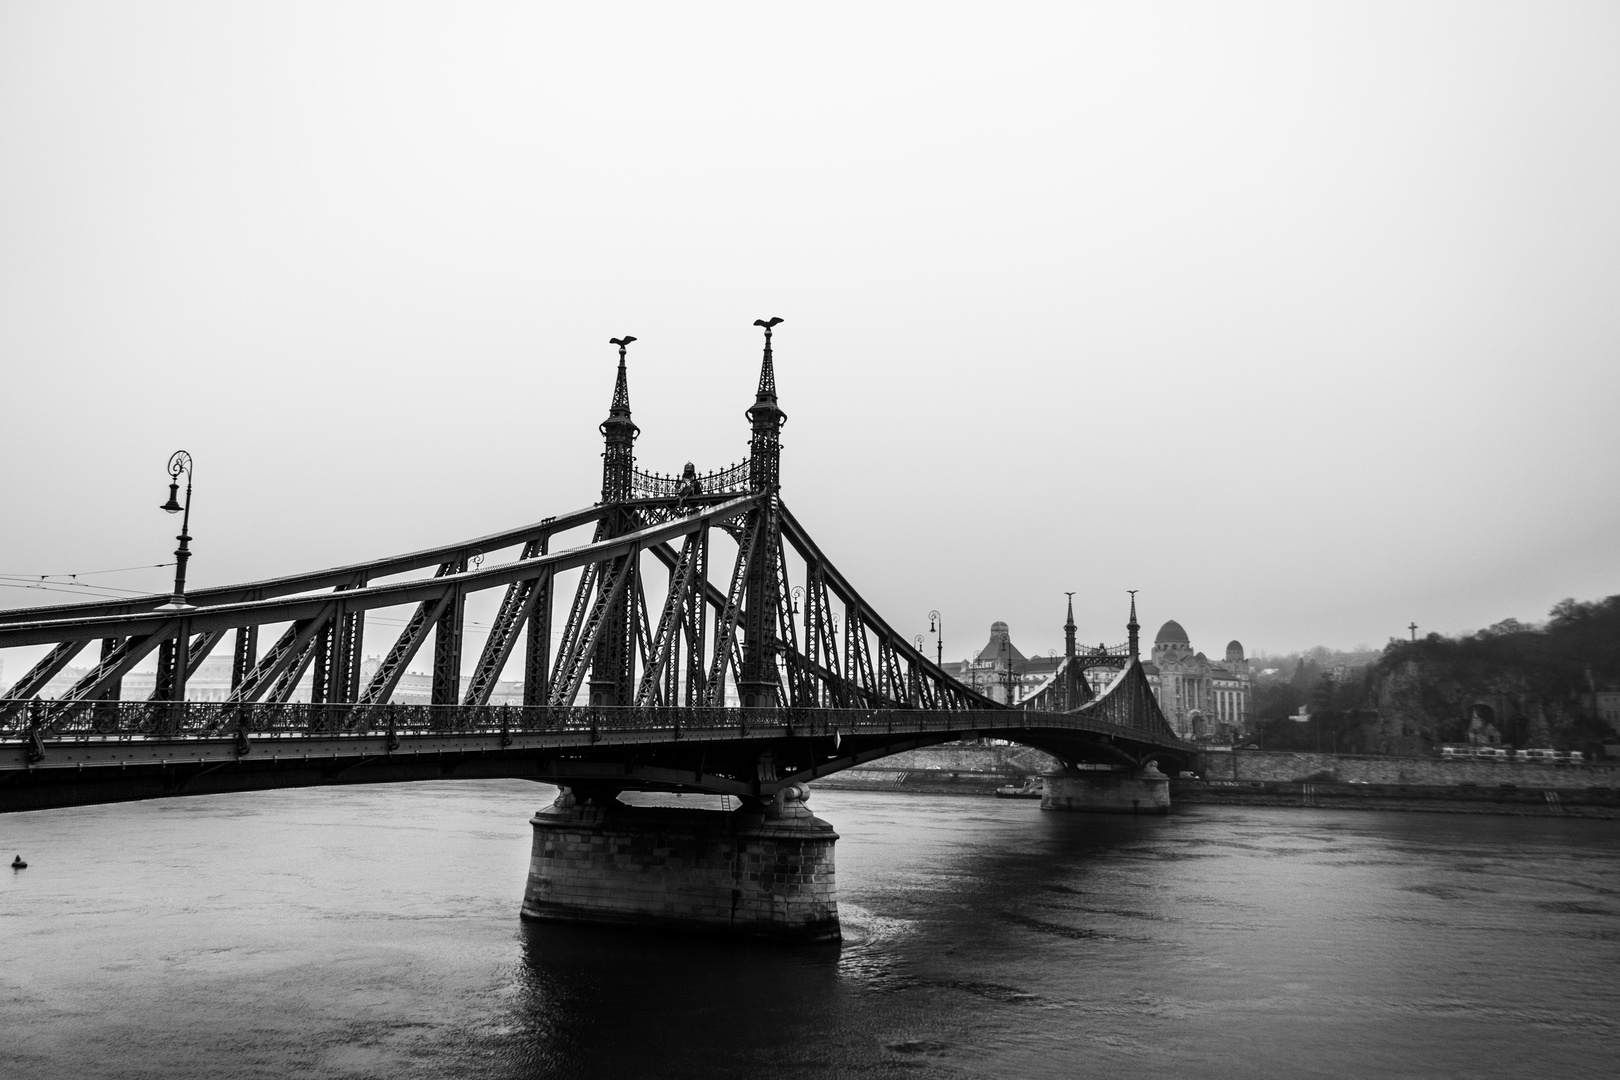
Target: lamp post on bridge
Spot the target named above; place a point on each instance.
(936, 626)
(180, 462)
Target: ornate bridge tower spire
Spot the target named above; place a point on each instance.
(612, 663)
(1068, 629)
(1134, 627)
(1073, 691)
(758, 683)
(767, 418)
(619, 433)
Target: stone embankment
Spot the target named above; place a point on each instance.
(946, 770)
(1371, 782)
(1271, 778)
(1273, 765)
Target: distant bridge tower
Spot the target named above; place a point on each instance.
(758, 683)
(1068, 631)
(612, 672)
(1135, 629)
(1075, 691)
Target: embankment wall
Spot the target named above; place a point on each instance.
(946, 770)
(1280, 766)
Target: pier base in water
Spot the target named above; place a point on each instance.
(760, 871)
(1144, 791)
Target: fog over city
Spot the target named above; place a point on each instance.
(1299, 319)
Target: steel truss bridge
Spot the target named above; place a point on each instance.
(665, 674)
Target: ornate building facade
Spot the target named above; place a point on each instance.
(1000, 671)
(1203, 699)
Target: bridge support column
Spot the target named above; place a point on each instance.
(1142, 791)
(759, 871)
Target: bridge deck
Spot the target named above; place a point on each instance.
(141, 750)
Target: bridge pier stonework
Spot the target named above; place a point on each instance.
(763, 870)
(1139, 791)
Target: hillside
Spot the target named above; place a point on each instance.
(1518, 684)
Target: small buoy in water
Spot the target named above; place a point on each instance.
(18, 864)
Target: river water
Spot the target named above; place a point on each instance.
(374, 931)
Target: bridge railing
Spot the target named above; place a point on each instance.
(37, 721)
(730, 480)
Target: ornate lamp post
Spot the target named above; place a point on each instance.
(180, 462)
(936, 626)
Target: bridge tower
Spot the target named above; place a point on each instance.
(1133, 786)
(1074, 692)
(757, 683)
(612, 664)
(1134, 629)
(1068, 631)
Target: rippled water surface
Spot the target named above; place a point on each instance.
(374, 932)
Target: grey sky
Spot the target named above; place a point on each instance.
(1299, 318)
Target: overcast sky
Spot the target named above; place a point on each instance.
(1300, 318)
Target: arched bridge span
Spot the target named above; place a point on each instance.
(691, 636)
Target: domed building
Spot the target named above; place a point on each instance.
(999, 669)
(1203, 699)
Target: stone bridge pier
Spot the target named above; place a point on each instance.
(1120, 790)
(762, 870)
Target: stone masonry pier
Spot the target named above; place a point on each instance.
(764, 870)
(1140, 791)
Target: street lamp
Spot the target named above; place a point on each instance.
(936, 626)
(179, 462)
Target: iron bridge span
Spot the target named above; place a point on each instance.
(694, 590)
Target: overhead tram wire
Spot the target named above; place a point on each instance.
(71, 585)
(104, 591)
(91, 573)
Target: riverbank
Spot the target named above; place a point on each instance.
(1589, 802)
(1282, 766)
(1274, 778)
(945, 770)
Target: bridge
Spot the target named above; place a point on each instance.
(665, 676)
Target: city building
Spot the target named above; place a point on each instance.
(1204, 699)
(998, 668)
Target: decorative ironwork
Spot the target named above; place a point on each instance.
(732, 480)
(1115, 656)
(518, 605)
(619, 433)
